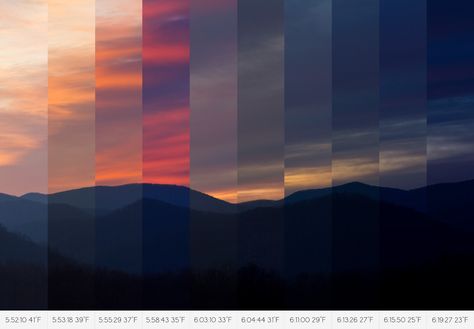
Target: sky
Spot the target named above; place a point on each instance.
(166, 91)
(213, 163)
(23, 96)
(403, 92)
(243, 100)
(118, 93)
(260, 118)
(308, 94)
(355, 83)
(71, 94)
(450, 91)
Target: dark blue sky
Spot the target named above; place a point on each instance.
(450, 90)
(380, 91)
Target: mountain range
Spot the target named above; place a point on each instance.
(321, 246)
(108, 198)
(154, 227)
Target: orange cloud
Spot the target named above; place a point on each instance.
(267, 191)
(302, 178)
(361, 169)
(229, 194)
(71, 94)
(261, 180)
(106, 54)
(162, 9)
(166, 95)
(113, 79)
(118, 138)
(167, 54)
(116, 166)
(166, 147)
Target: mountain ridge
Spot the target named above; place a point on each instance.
(148, 190)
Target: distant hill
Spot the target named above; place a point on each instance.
(6, 197)
(344, 232)
(26, 217)
(323, 247)
(109, 198)
(451, 203)
(18, 249)
(102, 199)
(35, 197)
(86, 209)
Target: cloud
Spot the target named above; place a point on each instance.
(302, 178)
(450, 91)
(308, 94)
(71, 94)
(166, 92)
(119, 81)
(166, 147)
(23, 95)
(213, 98)
(260, 99)
(14, 147)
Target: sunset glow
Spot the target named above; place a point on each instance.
(23, 96)
(71, 94)
(118, 82)
(166, 92)
(228, 97)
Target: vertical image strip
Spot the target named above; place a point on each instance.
(450, 142)
(403, 94)
(260, 149)
(308, 145)
(450, 91)
(71, 152)
(23, 154)
(213, 148)
(403, 132)
(355, 149)
(166, 133)
(260, 100)
(118, 152)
